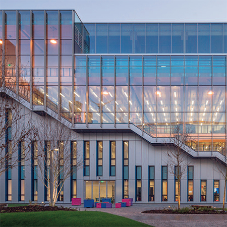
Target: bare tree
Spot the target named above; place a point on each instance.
(57, 157)
(15, 126)
(176, 157)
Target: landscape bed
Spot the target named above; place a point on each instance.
(32, 208)
(187, 210)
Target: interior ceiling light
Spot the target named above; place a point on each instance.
(0, 41)
(53, 41)
(158, 93)
(210, 93)
(105, 93)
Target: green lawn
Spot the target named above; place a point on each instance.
(65, 218)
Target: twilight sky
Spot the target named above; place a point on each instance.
(132, 10)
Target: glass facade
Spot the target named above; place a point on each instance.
(157, 38)
(156, 93)
(153, 75)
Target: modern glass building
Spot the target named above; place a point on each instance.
(123, 90)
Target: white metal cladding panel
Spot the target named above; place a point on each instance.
(132, 159)
(106, 159)
(93, 161)
(138, 150)
(119, 159)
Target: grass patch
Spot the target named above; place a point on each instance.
(66, 218)
(17, 204)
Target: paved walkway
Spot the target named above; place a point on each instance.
(165, 220)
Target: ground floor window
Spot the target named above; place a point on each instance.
(203, 190)
(126, 192)
(98, 190)
(74, 188)
(216, 190)
(9, 190)
(151, 183)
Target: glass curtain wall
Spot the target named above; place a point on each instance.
(157, 38)
(38, 53)
(10, 50)
(24, 54)
(156, 93)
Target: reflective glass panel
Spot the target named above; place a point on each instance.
(0, 25)
(177, 38)
(163, 70)
(205, 70)
(151, 38)
(114, 38)
(225, 38)
(66, 24)
(52, 24)
(107, 99)
(94, 99)
(24, 24)
(38, 24)
(66, 47)
(135, 99)
(163, 99)
(24, 47)
(80, 98)
(108, 70)
(91, 30)
(219, 70)
(101, 38)
(10, 47)
(164, 38)
(10, 21)
(204, 38)
(121, 70)
(205, 97)
(216, 38)
(121, 99)
(191, 70)
(177, 70)
(38, 47)
(149, 70)
(150, 99)
(127, 38)
(218, 99)
(94, 70)
(191, 38)
(139, 36)
(135, 70)
(191, 99)
(80, 70)
(177, 99)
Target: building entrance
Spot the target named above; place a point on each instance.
(98, 190)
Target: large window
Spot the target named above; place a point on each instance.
(125, 169)
(164, 183)
(73, 168)
(8, 151)
(203, 190)
(177, 176)
(86, 158)
(34, 182)
(112, 158)
(151, 183)
(21, 170)
(99, 158)
(190, 182)
(216, 190)
(138, 183)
